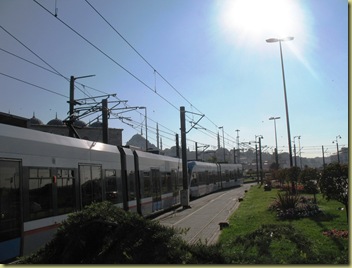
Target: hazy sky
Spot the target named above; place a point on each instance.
(209, 56)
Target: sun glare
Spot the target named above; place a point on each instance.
(257, 19)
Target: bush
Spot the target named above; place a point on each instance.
(105, 234)
(290, 206)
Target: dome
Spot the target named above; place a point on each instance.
(79, 123)
(55, 122)
(35, 121)
(97, 124)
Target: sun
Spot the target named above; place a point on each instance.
(259, 19)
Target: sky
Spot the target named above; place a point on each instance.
(209, 56)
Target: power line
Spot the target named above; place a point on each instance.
(56, 72)
(146, 61)
(31, 84)
(106, 55)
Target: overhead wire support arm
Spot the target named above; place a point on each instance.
(196, 123)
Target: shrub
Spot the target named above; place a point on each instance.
(294, 206)
(103, 233)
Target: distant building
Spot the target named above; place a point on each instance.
(93, 132)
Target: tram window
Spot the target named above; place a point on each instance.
(169, 182)
(131, 186)
(174, 177)
(65, 190)
(164, 178)
(113, 186)
(9, 200)
(40, 193)
(146, 185)
(91, 190)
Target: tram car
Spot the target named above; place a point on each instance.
(44, 177)
(205, 178)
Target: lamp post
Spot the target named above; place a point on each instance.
(223, 141)
(294, 143)
(274, 40)
(146, 127)
(260, 137)
(276, 153)
(337, 148)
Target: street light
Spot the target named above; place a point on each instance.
(274, 40)
(260, 137)
(294, 144)
(223, 141)
(337, 148)
(276, 153)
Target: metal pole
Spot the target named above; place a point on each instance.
(286, 105)
(238, 147)
(146, 131)
(185, 191)
(260, 160)
(105, 121)
(196, 151)
(276, 152)
(256, 161)
(223, 142)
(71, 104)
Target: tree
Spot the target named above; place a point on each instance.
(292, 176)
(334, 183)
(308, 174)
(309, 177)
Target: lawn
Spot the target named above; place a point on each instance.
(256, 235)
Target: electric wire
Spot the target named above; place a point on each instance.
(54, 70)
(106, 55)
(31, 84)
(146, 61)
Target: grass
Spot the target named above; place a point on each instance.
(253, 216)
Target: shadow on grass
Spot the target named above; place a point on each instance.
(326, 217)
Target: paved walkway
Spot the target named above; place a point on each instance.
(203, 218)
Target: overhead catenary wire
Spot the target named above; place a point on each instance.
(53, 70)
(109, 57)
(145, 60)
(31, 84)
(106, 55)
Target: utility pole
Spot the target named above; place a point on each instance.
(105, 121)
(157, 135)
(322, 149)
(185, 191)
(177, 147)
(260, 160)
(238, 147)
(337, 149)
(196, 144)
(72, 103)
(256, 161)
(223, 141)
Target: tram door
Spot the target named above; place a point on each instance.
(155, 173)
(10, 210)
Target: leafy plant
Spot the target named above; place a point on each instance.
(334, 183)
(105, 234)
(290, 206)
